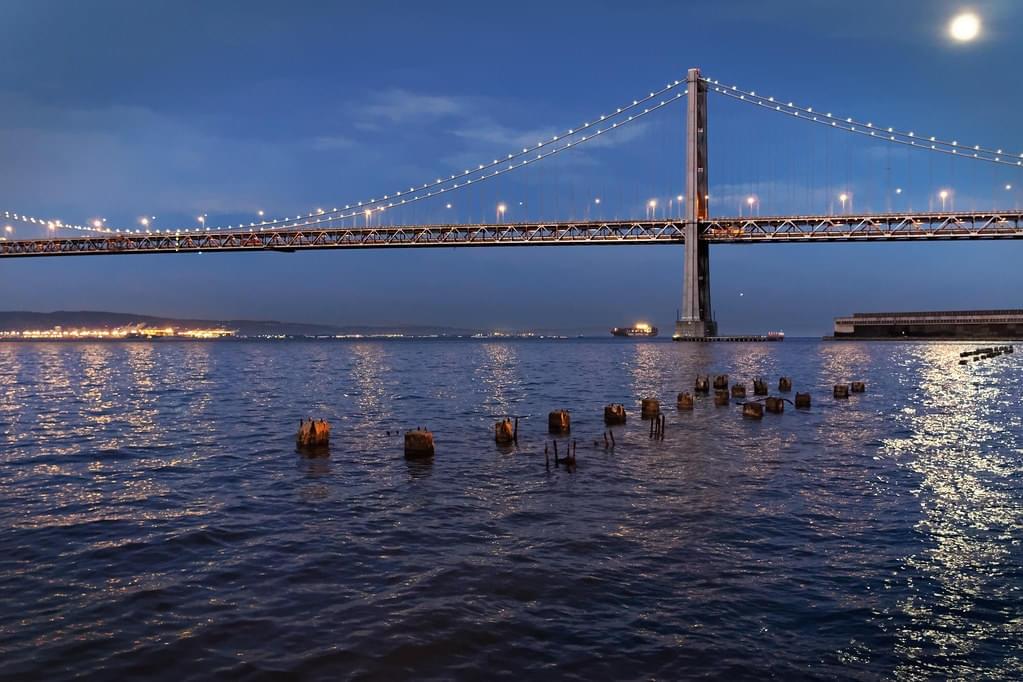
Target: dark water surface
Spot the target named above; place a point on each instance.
(155, 520)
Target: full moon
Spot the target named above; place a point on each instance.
(964, 27)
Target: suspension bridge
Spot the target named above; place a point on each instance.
(692, 227)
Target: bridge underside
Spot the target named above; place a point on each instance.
(866, 228)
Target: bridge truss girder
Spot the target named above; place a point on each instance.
(780, 229)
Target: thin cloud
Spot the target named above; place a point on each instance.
(329, 143)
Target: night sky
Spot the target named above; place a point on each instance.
(118, 110)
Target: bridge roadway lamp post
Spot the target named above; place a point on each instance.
(696, 320)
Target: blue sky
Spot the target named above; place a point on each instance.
(176, 109)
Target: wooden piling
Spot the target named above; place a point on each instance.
(614, 414)
(650, 408)
(504, 432)
(558, 421)
(419, 444)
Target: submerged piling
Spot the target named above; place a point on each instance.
(784, 384)
(685, 401)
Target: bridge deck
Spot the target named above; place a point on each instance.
(887, 227)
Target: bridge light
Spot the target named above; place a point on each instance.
(597, 200)
(1008, 188)
(260, 213)
(97, 224)
(898, 190)
(144, 222)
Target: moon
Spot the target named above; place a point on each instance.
(964, 27)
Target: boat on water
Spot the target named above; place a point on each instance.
(640, 329)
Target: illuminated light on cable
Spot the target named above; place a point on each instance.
(299, 218)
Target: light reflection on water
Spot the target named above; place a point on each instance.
(156, 518)
(963, 442)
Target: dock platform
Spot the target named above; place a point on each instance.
(742, 338)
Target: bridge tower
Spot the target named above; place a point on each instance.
(696, 321)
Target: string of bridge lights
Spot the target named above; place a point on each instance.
(571, 138)
(907, 138)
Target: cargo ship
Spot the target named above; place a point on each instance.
(641, 329)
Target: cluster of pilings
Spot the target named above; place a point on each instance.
(979, 354)
(314, 435)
